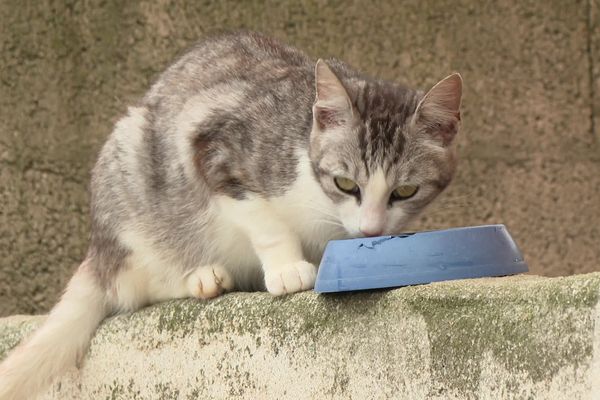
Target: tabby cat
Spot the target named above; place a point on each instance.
(232, 173)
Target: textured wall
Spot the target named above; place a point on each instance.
(530, 156)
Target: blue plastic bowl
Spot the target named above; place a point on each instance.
(416, 258)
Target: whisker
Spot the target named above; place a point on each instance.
(319, 210)
(325, 221)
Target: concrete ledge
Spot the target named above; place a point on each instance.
(509, 338)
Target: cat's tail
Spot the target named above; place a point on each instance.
(59, 343)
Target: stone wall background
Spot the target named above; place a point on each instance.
(530, 144)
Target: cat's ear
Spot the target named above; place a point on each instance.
(438, 112)
(332, 106)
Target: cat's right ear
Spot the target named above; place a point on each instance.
(332, 107)
(438, 112)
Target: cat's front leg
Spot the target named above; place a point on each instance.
(276, 245)
(280, 252)
(290, 278)
(284, 268)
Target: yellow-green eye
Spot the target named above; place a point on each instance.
(346, 185)
(404, 192)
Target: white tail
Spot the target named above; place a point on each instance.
(58, 344)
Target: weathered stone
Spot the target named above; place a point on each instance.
(594, 53)
(504, 338)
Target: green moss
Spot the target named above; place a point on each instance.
(179, 316)
(117, 391)
(536, 335)
(166, 392)
(306, 317)
(194, 394)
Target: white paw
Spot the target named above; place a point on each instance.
(290, 278)
(209, 281)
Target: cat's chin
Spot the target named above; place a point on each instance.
(357, 235)
(352, 234)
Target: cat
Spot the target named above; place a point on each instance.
(232, 173)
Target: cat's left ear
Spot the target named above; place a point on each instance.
(332, 106)
(438, 112)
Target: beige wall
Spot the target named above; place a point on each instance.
(530, 147)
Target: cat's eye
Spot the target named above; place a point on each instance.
(404, 192)
(346, 185)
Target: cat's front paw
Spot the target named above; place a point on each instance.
(290, 278)
(209, 281)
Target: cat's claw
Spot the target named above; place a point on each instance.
(209, 281)
(290, 278)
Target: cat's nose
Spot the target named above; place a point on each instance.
(371, 232)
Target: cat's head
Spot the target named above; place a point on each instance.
(380, 151)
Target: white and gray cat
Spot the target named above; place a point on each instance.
(232, 173)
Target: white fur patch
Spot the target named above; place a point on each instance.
(309, 212)
(374, 205)
(128, 129)
(373, 216)
(149, 276)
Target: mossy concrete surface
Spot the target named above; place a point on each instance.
(503, 338)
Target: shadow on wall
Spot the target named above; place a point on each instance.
(530, 156)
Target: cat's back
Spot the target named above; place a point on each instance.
(236, 104)
(226, 95)
(248, 60)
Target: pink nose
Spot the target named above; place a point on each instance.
(371, 232)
